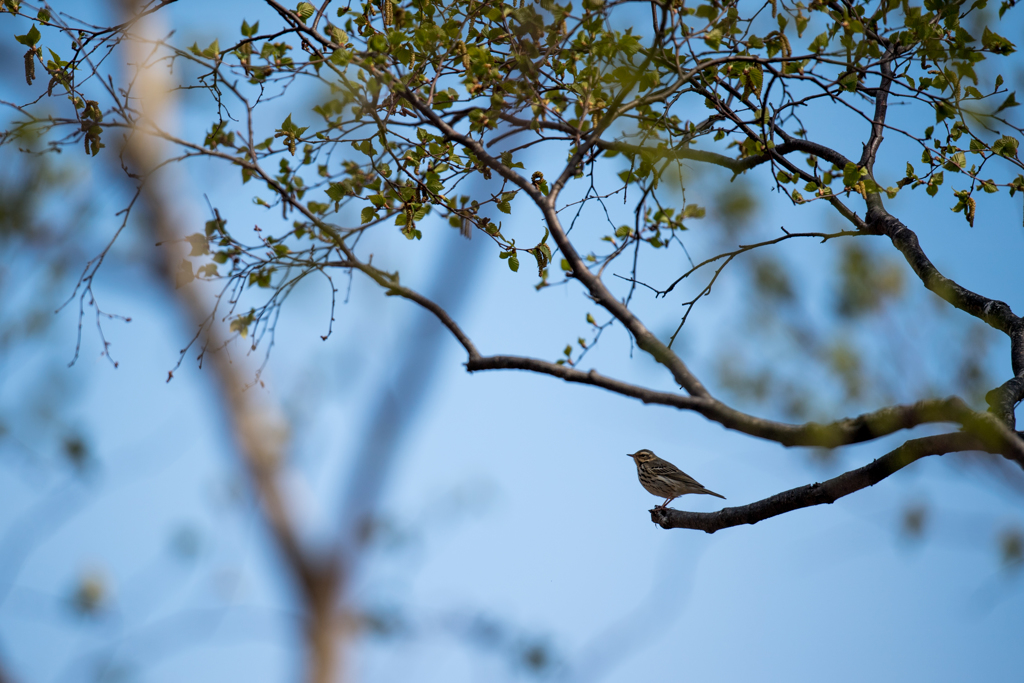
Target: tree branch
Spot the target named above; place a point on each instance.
(990, 434)
(867, 159)
(817, 494)
(1008, 444)
(995, 313)
(393, 288)
(1003, 401)
(645, 339)
(259, 435)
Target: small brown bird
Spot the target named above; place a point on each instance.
(664, 479)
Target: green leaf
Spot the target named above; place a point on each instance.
(819, 43)
(504, 207)
(801, 25)
(513, 263)
(366, 147)
(793, 67)
(242, 322)
(30, 38)
(291, 128)
(1017, 185)
(213, 50)
(367, 215)
(754, 78)
(44, 15)
(996, 43)
(339, 36)
(944, 110)
(213, 227)
(851, 174)
(336, 191)
(1006, 146)
(693, 211)
(707, 12)
(1010, 101)
(200, 245)
(305, 10)
(713, 38)
(956, 162)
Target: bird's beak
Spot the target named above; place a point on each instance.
(630, 455)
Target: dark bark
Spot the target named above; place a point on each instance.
(817, 494)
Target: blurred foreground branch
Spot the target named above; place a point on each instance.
(258, 426)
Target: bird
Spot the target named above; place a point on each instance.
(663, 479)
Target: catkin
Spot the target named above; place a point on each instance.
(30, 66)
(388, 11)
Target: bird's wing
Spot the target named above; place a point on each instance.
(669, 471)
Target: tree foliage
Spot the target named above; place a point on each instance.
(607, 102)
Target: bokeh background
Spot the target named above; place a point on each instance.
(510, 538)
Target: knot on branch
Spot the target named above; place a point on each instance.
(881, 222)
(999, 310)
(1004, 399)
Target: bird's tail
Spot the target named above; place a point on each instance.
(712, 493)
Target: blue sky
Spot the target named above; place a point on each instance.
(512, 509)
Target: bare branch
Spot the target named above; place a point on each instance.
(824, 493)
(867, 159)
(991, 434)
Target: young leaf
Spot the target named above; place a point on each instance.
(1005, 146)
(30, 38)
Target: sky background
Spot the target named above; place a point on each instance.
(512, 519)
